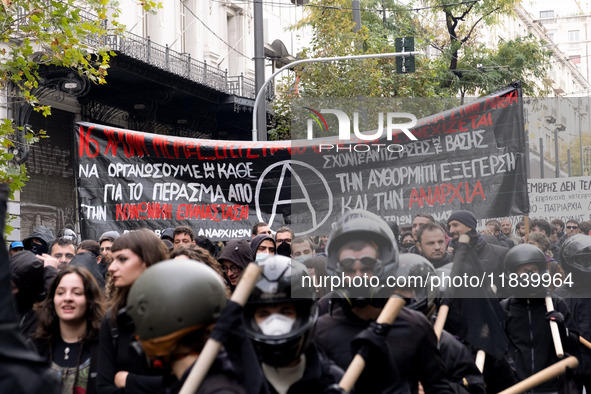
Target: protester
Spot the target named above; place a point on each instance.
(172, 331)
(120, 368)
(506, 228)
(360, 245)
(280, 318)
(576, 291)
(106, 242)
(28, 287)
(542, 242)
(263, 246)
(68, 330)
(302, 249)
(459, 363)
(431, 245)
(183, 236)
(490, 256)
(234, 258)
(261, 228)
(528, 321)
(407, 241)
(38, 241)
(15, 247)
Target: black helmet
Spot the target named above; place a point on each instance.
(281, 282)
(174, 296)
(414, 272)
(576, 256)
(519, 256)
(365, 226)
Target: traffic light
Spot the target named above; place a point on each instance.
(405, 64)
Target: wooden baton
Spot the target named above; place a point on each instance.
(544, 375)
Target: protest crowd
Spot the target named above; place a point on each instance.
(133, 312)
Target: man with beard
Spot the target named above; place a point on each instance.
(490, 256)
(431, 245)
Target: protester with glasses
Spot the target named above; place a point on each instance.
(360, 246)
(234, 258)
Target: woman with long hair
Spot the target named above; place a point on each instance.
(68, 330)
(122, 368)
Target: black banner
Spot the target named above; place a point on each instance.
(471, 157)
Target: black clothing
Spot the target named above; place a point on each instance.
(21, 371)
(320, 373)
(221, 379)
(116, 353)
(446, 259)
(462, 372)
(578, 300)
(43, 234)
(88, 261)
(28, 275)
(57, 355)
(531, 346)
(411, 338)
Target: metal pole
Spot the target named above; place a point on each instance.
(541, 158)
(259, 70)
(557, 170)
(356, 16)
(261, 90)
(581, 142)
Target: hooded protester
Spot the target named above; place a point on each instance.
(234, 258)
(263, 246)
(38, 241)
(28, 281)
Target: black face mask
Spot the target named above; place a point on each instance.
(407, 245)
(38, 249)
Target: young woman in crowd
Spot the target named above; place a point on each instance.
(122, 366)
(68, 330)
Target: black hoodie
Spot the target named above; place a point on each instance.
(42, 233)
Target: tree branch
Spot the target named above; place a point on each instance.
(475, 23)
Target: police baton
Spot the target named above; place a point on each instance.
(554, 329)
(387, 316)
(212, 347)
(543, 376)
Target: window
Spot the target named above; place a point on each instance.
(573, 35)
(547, 14)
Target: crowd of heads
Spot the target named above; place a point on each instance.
(63, 288)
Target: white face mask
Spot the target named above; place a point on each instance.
(276, 324)
(302, 258)
(261, 256)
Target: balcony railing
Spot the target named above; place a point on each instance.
(162, 57)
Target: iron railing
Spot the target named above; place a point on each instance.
(162, 57)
